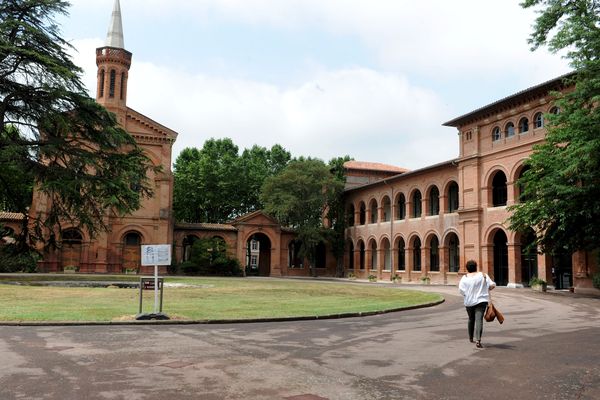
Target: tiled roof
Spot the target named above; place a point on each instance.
(11, 216)
(373, 166)
(552, 84)
(206, 227)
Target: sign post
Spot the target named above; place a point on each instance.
(157, 254)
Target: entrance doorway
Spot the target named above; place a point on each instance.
(71, 249)
(500, 258)
(562, 270)
(258, 255)
(529, 267)
(132, 252)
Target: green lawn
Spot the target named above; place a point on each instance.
(217, 298)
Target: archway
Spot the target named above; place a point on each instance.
(258, 250)
(500, 258)
(562, 270)
(71, 249)
(529, 267)
(132, 251)
(187, 244)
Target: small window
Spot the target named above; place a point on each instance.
(538, 120)
(122, 84)
(468, 135)
(111, 89)
(417, 210)
(499, 192)
(523, 125)
(101, 88)
(496, 135)
(434, 201)
(254, 244)
(253, 261)
(555, 110)
(401, 207)
(510, 129)
(453, 197)
(373, 212)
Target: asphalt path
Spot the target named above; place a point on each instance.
(548, 348)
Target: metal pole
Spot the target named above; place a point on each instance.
(155, 289)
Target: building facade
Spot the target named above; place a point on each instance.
(424, 225)
(421, 225)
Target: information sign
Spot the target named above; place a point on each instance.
(156, 254)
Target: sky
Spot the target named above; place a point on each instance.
(372, 79)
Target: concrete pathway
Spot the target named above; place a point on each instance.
(548, 348)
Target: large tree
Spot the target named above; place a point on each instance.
(298, 197)
(57, 137)
(215, 184)
(562, 184)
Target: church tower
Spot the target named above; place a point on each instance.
(113, 63)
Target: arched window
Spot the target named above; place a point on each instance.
(122, 85)
(350, 255)
(101, 88)
(434, 254)
(373, 209)
(510, 129)
(453, 197)
(386, 208)
(401, 206)
(72, 236)
(523, 125)
(496, 134)
(133, 239)
(453, 254)
(555, 110)
(113, 78)
(538, 120)
(434, 201)
(499, 192)
(401, 255)
(416, 203)
(417, 254)
(362, 213)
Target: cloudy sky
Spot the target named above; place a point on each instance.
(374, 79)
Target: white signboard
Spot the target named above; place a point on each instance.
(156, 254)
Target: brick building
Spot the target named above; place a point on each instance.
(415, 224)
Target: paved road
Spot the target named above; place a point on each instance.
(548, 348)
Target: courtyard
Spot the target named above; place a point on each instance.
(546, 349)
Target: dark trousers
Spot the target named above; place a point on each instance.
(476, 320)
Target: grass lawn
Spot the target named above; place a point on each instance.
(217, 298)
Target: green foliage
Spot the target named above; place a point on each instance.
(596, 280)
(216, 184)
(209, 257)
(535, 281)
(14, 260)
(336, 213)
(298, 197)
(562, 186)
(53, 135)
(372, 278)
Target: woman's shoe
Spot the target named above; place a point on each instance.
(478, 345)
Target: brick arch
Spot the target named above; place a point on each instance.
(516, 170)
(429, 235)
(488, 236)
(446, 235)
(491, 172)
(382, 238)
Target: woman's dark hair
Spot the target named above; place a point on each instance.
(471, 266)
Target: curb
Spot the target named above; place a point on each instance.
(219, 321)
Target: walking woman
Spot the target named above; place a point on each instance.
(475, 287)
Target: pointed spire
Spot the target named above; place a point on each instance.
(114, 37)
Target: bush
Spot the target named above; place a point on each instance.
(189, 268)
(372, 278)
(534, 281)
(209, 257)
(596, 280)
(13, 261)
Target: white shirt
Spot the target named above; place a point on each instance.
(475, 288)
